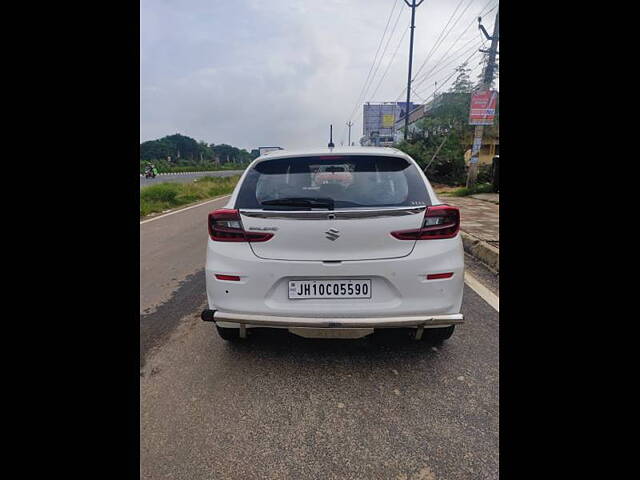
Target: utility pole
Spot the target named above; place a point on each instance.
(413, 6)
(349, 124)
(487, 80)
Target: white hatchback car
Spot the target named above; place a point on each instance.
(335, 259)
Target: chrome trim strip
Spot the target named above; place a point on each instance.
(333, 214)
(338, 322)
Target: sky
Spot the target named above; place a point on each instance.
(253, 73)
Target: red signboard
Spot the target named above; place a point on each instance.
(483, 107)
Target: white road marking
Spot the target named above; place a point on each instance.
(183, 209)
(486, 294)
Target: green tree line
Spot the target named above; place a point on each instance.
(180, 151)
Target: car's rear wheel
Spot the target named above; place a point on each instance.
(229, 334)
(438, 335)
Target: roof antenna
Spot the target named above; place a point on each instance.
(331, 145)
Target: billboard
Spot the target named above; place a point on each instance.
(402, 108)
(483, 107)
(378, 119)
(388, 120)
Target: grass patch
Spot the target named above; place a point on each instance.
(196, 168)
(442, 189)
(163, 196)
(478, 188)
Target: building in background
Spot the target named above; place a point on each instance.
(379, 122)
(490, 148)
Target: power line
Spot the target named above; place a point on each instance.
(443, 82)
(419, 96)
(425, 76)
(447, 34)
(438, 40)
(390, 62)
(459, 36)
(442, 58)
(455, 56)
(385, 48)
(361, 95)
(449, 61)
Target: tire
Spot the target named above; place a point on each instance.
(439, 335)
(229, 334)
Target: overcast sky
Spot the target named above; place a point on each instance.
(273, 72)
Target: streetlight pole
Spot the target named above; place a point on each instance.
(413, 6)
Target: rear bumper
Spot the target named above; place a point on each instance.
(399, 285)
(333, 322)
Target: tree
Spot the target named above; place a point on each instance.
(462, 83)
(496, 70)
(185, 151)
(445, 127)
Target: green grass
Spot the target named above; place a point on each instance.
(464, 191)
(214, 168)
(198, 168)
(163, 196)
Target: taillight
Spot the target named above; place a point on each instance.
(433, 276)
(229, 278)
(225, 225)
(440, 221)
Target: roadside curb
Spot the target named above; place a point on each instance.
(487, 254)
(480, 196)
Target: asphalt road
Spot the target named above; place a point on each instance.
(186, 177)
(279, 406)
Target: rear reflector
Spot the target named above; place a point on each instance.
(231, 278)
(225, 225)
(435, 276)
(440, 221)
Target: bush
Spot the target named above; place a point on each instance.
(448, 171)
(485, 173)
(161, 192)
(478, 188)
(447, 168)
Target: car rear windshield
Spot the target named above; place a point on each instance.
(332, 182)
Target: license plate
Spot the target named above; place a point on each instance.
(340, 288)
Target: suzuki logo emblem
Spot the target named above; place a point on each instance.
(332, 234)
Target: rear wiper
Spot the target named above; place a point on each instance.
(310, 202)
